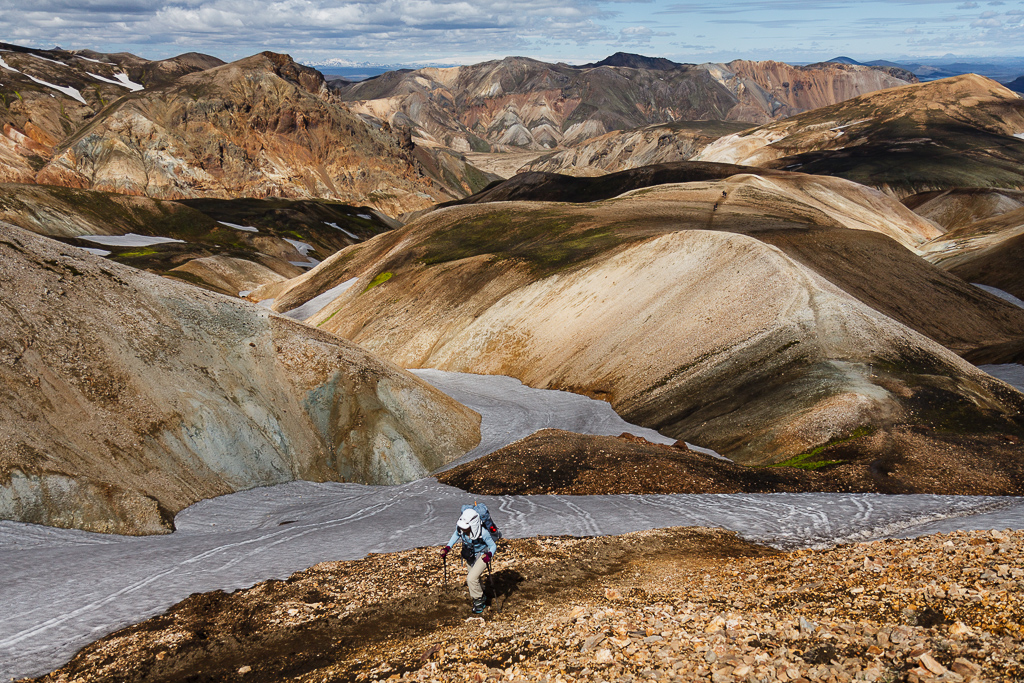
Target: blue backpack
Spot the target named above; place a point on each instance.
(485, 518)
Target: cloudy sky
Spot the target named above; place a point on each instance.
(575, 31)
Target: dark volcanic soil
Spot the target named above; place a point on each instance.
(554, 461)
(337, 614)
(539, 186)
(677, 605)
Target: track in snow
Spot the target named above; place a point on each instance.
(61, 589)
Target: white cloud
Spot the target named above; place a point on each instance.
(387, 26)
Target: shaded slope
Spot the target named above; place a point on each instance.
(537, 186)
(223, 245)
(958, 132)
(989, 251)
(128, 397)
(962, 206)
(685, 317)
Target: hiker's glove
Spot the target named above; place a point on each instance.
(487, 558)
(444, 550)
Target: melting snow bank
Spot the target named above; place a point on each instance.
(1011, 373)
(62, 589)
(317, 303)
(67, 90)
(303, 250)
(338, 227)
(1005, 296)
(513, 411)
(129, 240)
(121, 80)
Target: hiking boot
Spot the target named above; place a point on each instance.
(478, 605)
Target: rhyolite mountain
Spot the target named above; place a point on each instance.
(518, 102)
(127, 397)
(780, 316)
(48, 95)
(195, 127)
(957, 132)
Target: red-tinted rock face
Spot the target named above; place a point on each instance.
(517, 102)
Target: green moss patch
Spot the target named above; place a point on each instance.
(379, 280)
(547, 240)
(811, 461)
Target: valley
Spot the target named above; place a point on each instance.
(256, 319)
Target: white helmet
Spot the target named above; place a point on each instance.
(470, 523)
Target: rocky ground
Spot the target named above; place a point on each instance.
(561, 462)
(673, 604)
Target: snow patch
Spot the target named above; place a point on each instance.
(236, 226)
(338, 227)
(121, 80)
(1011, 373)
(303, 249)
(847, 125)
(67, 90)
(511, 411)
(706, 451)
(1019, 135)
(1005, 296)
(300, 247)
(129, 240)
(365, 216)
(96, 251)
(317, 303)
(46, 59)
(244, 293)
(266, 303)
(91, 60)
(127, 82)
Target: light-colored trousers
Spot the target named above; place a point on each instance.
(476, 590)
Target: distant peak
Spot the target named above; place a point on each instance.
(633, 61)
(846, 60)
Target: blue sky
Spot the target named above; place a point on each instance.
(575, 31)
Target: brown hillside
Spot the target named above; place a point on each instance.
(732, 327)
(128, 397)
(962, 206)
(563, 463)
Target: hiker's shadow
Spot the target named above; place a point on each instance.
(500, 585)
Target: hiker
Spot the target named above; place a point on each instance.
(478, 547)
